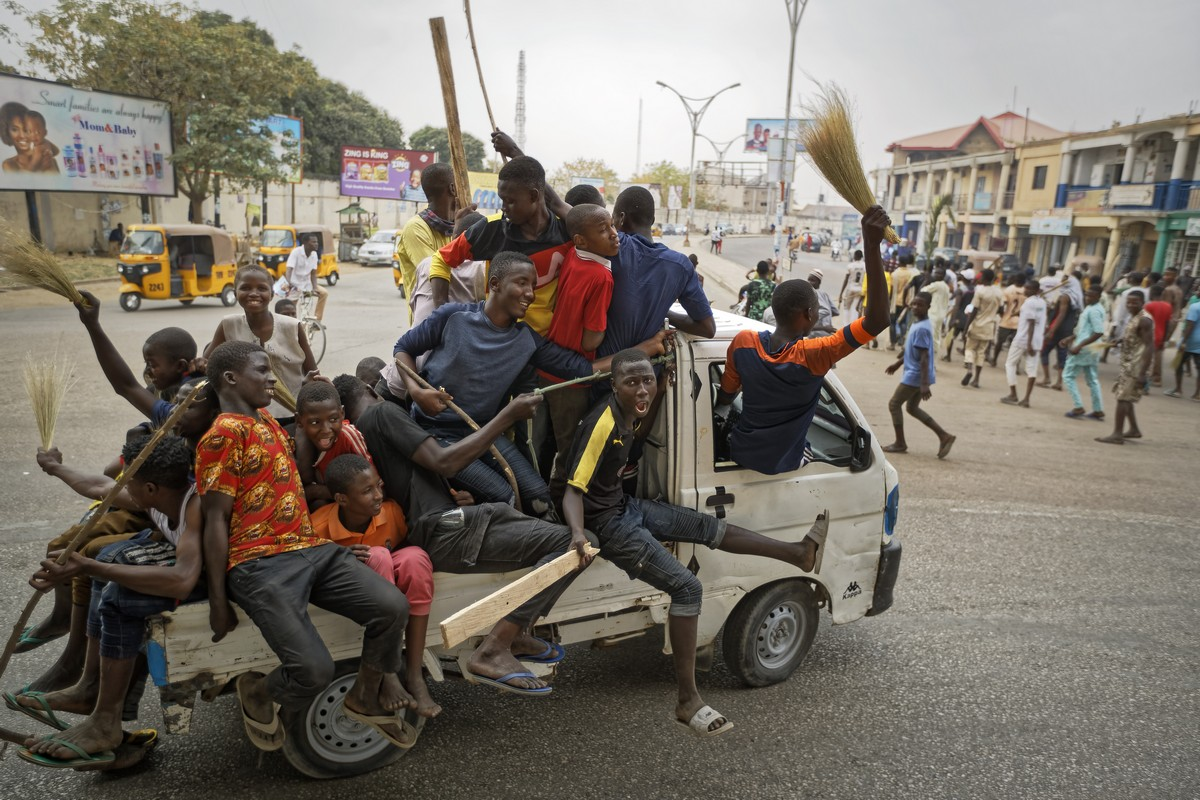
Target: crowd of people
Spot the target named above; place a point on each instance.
(279, 487)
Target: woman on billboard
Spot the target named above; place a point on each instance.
(25, 131)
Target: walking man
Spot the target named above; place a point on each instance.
(918, 376)
(1084, 359)
(1026, 345)
(981, 324)
(1137, 351)
(1189, 350)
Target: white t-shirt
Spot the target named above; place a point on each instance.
(856, 271)
(1034, 308)
(302, 266)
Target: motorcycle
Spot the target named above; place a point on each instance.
(835, 252)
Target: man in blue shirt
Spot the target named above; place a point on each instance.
(918, 376)
(1189, 348)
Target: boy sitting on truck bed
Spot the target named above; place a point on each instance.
(260, 550)
(631, 530)
(781, 373)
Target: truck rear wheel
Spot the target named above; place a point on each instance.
(770, 632)
(322, 742)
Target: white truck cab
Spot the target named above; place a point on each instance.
(768, 609)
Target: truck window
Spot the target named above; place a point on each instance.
(830, 436)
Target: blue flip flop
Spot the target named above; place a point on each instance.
(503, 685)
(553, 654)
(44, 715)
(34, 642)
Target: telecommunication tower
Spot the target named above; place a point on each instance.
(519, 123)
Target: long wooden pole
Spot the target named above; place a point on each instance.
(97, 512)
(478, 68)
(458, 156)
(508, 473)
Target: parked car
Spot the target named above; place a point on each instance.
(765, 610)
(380, 249)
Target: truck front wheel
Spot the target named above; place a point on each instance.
(770, 632)
(322, 742)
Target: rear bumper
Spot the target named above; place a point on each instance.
(885, 580)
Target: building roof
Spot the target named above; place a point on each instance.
(1007, 130)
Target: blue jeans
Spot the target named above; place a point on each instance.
(632, 540)
(117, 614)
(485, 479)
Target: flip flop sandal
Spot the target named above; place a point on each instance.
(553, 654)
(1073, 415)
(380, 722)
(44, 715)
(819, 532)
(1096, 415)
(702, 719)
(85, 759)
(266, 736)
(502, 683)
(34, 642)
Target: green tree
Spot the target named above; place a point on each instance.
(335, 116)
(667, 174)
(217, 76)
(438, 139)
(560, 179)
(942, 204)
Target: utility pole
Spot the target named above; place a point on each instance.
(795, 9)
(721, 148)
(637, 162)
(519, 122)
(694, 117)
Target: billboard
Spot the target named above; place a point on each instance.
(674, 198)
(760, 130)
(484, 186)
(1051, 222)
(576, 180)
(383, 173)
(64, 139)
(287, 137)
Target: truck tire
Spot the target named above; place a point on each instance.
(322, 742)
(770, 632)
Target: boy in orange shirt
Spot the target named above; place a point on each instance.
(374, 529)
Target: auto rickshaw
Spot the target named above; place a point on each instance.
(176, 262)
(277, 244)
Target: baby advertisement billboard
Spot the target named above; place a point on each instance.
(61, 139)
(383, 173)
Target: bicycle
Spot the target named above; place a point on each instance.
(313, 328)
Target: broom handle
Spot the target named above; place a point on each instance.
(479, 69)
(98, 511)
(508, 473)
(596, 376)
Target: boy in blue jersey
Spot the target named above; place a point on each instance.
(781, 373)
(917, 361)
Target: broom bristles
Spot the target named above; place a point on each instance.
(33, 265)
(831, 144)
(47, 383)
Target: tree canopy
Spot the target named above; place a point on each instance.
(438, 139)
(561, 178)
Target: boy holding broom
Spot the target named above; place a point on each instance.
(781, 372)
(260, 550)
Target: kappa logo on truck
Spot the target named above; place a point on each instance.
(852, 590)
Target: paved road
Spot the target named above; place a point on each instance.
(1043, 641)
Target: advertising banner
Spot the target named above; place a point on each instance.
(674, 198)
(383, 173)
(64, 139)
(483, 191)
(1051, 222)
(576, 180)
(759, 131)
(287, 136)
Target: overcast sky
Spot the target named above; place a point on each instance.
(913, 66)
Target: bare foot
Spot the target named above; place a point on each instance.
(895, 448)
(1110, 439)
(975, 384)
(1024, 404)
(392, 694)
(426, 706)
(1008, 399)
(95, 734)
(1132, 435)
(77, 699)
(496, 663)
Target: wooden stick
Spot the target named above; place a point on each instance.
(479, 69)
(97, 512)
(458, 155)
(597, 376)
(481, 613)
(508, 473)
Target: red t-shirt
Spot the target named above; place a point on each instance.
(584, 292)
(1161, 311)
(349, 440)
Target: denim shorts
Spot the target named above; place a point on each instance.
(632, 540)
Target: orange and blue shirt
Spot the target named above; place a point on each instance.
(780, 393)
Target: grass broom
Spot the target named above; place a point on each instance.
(33, 265)
(832, 147)
(47, 383)
(283, 395)
(98, 511)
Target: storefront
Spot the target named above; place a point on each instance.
(1179, 243)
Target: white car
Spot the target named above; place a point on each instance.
(379, 250)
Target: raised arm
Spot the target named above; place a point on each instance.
(874, 222)
(93, 487)
(118, 373)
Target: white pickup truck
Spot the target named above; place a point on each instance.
(767, 609)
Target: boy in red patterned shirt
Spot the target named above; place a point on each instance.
(260, 550)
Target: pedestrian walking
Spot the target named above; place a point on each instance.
(981, 325)
(916, 380)
(1084, 359)
(1137, 351)
(1026, 345)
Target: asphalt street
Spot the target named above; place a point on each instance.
(1042, 645)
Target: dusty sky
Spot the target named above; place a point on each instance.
(913, 66)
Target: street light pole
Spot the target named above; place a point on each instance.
(795, 9)
(721, 148)
(694, 117)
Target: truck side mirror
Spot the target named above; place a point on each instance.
(860, 449)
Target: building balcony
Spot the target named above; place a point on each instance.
(1122, 197)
